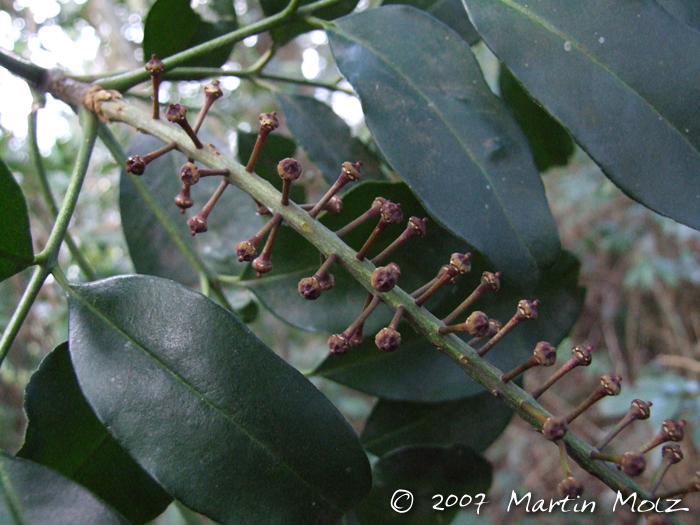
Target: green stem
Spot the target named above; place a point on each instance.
(21, 67)
(20, 313)
(45, 189)
(125, 81)
(423, 321)
(119, 156)
(49, 255)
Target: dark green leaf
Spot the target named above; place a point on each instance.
(452, 140)
(551, 144)
(450, 12)
(276, 148)
(36, 495)
(151, 248)
(64, 434)
(418, 372)
(173, 26)
(287, 32)
(425, 472)
(476, 421)
(16, 252)
(225, 425)
(294, 259)
(326, 137)
(622, 77)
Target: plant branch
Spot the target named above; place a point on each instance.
(128, 80)
(45, 189)
(49, 254)
(21, 67)
(20, 313)
(423, 321)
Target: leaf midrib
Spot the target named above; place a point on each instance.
(13, 506)
(201, 396)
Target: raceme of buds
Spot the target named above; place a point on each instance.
(340, 343)
(609, 386)
(246, 250)
(155, 68)
(415, 228)
(580, 356)
(389, 213)
(262, 263)
(349, 172)
(638, 410)
(289, 170)
(459, 265)
(177, 114)
(490, 282)
(670, 431)
(527, 310)
(136, 164)
(543, 355)
(198, 223)
(312, 287)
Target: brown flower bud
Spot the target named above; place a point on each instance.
(545, 354)
(189, 174)
(477, 324)
(391, 213)
(633, 463)
(197, 225)
(461, 262)
(262, 265)
(570, 488)
(554, 428)
(352, 171)
(388, 339)
(269, 121)
(289, 169)
(338, 344)
(213, 91)
(154, 66)
(245, 251)
(310, 288)
(334, 206)
(528, 309)
(356, 339)
(327, 282)
(184, 201)
(417, 225)
(135, 165)
(176, 113)
(384, 278)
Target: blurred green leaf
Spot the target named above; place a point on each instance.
(326, 137)
(476, 421)
(450, 12)
(551, 144)
(687, 11)
(173, 26)
(16, 252)
(64, 434)
(449, 137)
(33, 494)
(220, 421)
(623, 79)
(287, 32)
(425, 472)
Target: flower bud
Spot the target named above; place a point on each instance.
(289, 169)
(310, 288)
(189, 174)
(245, 251)
(388, 339)
(197, 225)
(135, 165)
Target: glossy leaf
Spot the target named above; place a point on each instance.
(220, 421)
(16, 252)
(450, 12)
(622, 77)
(64, 434)
(326, 137)
(451, 139)
(475, 421)
(275, 149)
(34, 495)
(287, 32)
(417, 372)
(152, 250)
(551, 144)
(425, 472)
(173, 26)
(294, 259)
